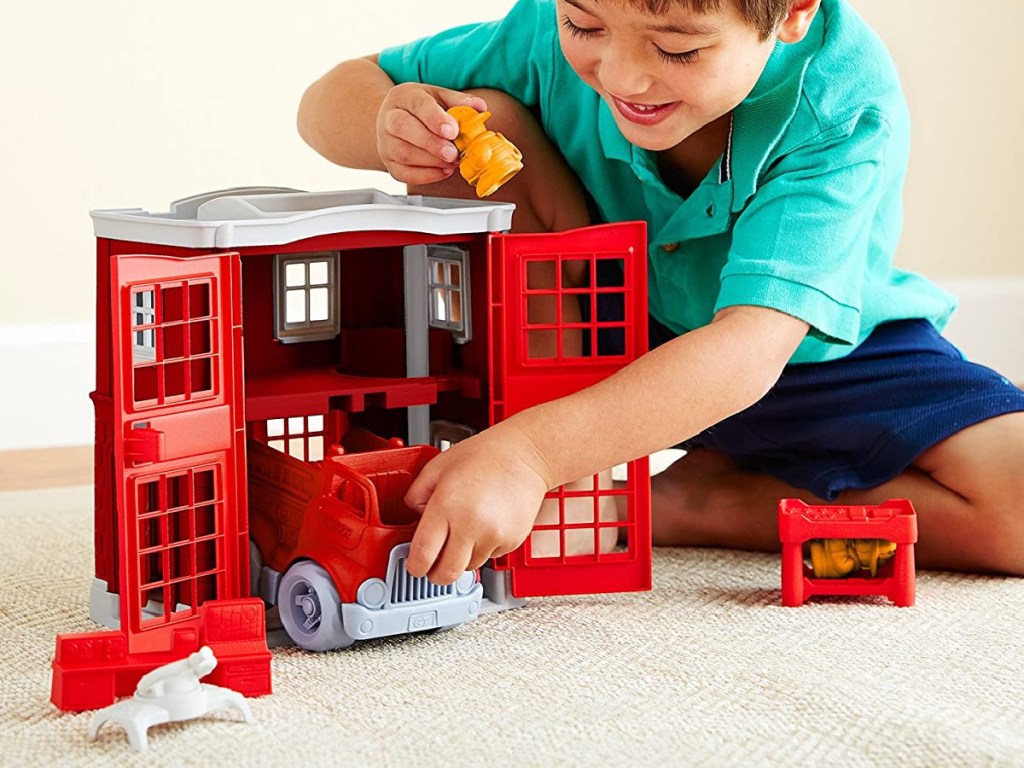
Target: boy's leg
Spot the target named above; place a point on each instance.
(968, 491)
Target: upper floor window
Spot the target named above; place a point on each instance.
(448, 286)
(306, 296)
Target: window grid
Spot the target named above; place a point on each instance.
(581, 521)
(302, 437)
(547, 334)
(144, 317)
(448, 291)
(173, 332)
(180, 543)
(444, 307)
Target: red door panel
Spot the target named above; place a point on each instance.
(566, 311)
(178, 441)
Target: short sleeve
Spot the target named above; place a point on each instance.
(803, 243)
(509, 54)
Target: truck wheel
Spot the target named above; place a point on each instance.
(310, 609)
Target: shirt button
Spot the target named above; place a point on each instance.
(710, 211)
(669, 247)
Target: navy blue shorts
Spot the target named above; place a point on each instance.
(859, 421)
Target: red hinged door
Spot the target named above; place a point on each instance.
(178, 443)
(566, 311)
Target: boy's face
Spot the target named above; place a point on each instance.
(665, 76)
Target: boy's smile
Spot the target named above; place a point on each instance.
(664, 76)
(644, 114)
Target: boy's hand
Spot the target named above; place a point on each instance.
(479, 499)
(415, 133)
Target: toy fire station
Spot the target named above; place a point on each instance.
(273, 367)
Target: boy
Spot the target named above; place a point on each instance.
(765, 143)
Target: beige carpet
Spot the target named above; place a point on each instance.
(708, 669)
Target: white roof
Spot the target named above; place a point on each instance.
(249, 216)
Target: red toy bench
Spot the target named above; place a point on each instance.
(895, 521)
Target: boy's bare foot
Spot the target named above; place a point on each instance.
(697, 501)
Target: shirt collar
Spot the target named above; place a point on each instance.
(760, 121)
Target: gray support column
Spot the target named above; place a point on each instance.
(417, 338)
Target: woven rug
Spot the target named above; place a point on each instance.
(707, 669)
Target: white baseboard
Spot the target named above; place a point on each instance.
(47, 371)
(988, 326)
(46, 375)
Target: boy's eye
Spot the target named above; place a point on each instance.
(575, 30)
(685, 57)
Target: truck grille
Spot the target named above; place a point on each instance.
(406, 588)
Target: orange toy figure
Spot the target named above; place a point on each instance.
(488, 159)
(835, 558)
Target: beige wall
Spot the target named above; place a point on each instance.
(124, 103)
(962, 72)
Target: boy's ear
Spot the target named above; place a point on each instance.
(794, 27)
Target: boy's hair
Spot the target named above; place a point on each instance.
(762, 15)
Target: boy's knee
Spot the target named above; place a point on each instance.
(1000, 521)
(996, 529)
(999, 531)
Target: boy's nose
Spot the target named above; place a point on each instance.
(625, 78)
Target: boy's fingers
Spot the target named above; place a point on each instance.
(426, 107)
(481, 554)
(441, 153)
(504, 550)
(418, 176)
(427, 543)
(431, 110)
(421, 488)
(452, 562)
(413, 143)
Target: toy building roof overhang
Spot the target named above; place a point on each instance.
(259, 216)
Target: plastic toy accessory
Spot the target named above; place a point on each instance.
(871, 546)
(487, 159)
(168, 694)
(835, 558)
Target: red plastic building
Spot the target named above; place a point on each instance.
(894, 521)
(298, 320)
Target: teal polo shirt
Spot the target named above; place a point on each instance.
(803, 211)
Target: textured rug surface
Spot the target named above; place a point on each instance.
(707, 669)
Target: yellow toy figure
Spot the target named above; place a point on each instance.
(835, 558)
(488, 159)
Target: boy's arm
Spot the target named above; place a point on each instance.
(357, 117)
(668, 395)
(338, 113)
(479, 499)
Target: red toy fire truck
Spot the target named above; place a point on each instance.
(292, 322)
(330, 545)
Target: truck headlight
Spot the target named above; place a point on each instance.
(372, 594)
(466, 583)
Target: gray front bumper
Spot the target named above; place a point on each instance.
(364, 623)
